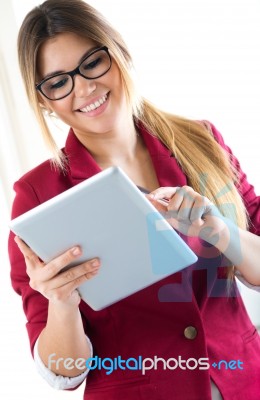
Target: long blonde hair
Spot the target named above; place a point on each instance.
(205, 163)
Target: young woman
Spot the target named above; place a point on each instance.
(76, 65)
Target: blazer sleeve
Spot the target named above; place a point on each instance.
(34, 304)
(247, 191)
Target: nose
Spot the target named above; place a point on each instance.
(83, 87)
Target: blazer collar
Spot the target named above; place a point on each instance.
(82, 165)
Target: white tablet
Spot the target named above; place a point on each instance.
(109, 217)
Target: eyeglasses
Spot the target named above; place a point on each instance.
(58, 86)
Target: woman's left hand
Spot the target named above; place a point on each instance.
(188, 212)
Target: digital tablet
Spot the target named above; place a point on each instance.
(109, 217)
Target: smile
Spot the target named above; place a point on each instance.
(95, 105)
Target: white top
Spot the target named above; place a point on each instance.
(59, 382)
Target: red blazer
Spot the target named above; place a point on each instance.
(155, 321)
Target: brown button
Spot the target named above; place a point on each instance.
(190, 332)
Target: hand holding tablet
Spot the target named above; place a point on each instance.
(136, 245)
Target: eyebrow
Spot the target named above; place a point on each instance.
(79, 62)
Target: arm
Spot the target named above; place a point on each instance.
(50, 301)
(243, 251)
(246, 244)
(63, 336)
(194, 215)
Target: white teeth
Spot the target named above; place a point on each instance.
(95, 105)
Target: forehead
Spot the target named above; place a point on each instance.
(62, 53)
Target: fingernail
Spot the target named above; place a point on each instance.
(76, 251)
(95, 263)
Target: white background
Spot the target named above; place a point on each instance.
(197, 58)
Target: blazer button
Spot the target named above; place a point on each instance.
(190, 332)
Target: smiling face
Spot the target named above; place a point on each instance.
(95, 106)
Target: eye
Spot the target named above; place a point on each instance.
(56, 84)
(88, 65)
(52, 85)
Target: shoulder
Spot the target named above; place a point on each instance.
(40, 184)
(216, 133)
(45, 171)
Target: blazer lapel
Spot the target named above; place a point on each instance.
(165, 164)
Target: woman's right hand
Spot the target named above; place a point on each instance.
(58, 287)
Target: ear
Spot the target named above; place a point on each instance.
(44, 104)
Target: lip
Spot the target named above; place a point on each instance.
(97, 111)
(93, 100)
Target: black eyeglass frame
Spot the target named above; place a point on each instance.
(74, 72)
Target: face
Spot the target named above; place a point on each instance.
(64, 53)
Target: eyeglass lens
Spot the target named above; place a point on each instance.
(94, 66)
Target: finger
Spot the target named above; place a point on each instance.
(202, 206)
(82, 278)
(74, 274)
(87, 269)
(185, 209)
(163, 192)
(30, 257)
(175, 203)
(160, 205)
(66, 291)
(57, 264)
(25, 249)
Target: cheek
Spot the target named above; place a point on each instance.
(62, 107)
(119, 83)
(118, 89)
(114, 78)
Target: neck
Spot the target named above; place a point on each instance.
(113, 147)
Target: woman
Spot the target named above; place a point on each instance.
(76, 65)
